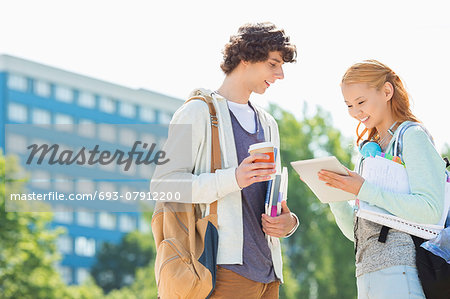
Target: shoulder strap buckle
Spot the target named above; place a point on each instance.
(214, 121)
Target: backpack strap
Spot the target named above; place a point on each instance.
(216, 162)
(383, 234)
(447, 162)
(397, 151)
(398, 143)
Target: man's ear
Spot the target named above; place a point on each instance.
(388, 91)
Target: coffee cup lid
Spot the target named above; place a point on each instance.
(260, 145)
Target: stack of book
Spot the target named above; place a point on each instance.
(276, 191)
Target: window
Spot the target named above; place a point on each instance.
(86, 128)
(17, 82)
(127, 223)
(64, 94)
(16, 144)
(146, 171)
(127, 279)
(127, 110)
(85, 246)
(86, 218)
(106, 187)
(107, 105)
(82, 275)
(62, 182)
(66, 274)
(40, 179)
(64, 244)
(64, 122)
(85, 122)
(127, 137)
(125, 189)
(147, 114)
(149, 139)
(111, 166)
(42, 89)
(85, 186)
(107, 132)
(144, 226)
(63, 119)
(38, 141)
(131, 169)
(106, 277)
(17, 112)
(63, 215)
(86, 100)
(41, 117)
(107, 220)
(165, 118)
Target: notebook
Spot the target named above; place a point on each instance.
(308, 170)
(392, 176)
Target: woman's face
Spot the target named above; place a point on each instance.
(367, 104)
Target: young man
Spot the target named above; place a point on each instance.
(248, 267)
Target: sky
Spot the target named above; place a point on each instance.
(173, 47)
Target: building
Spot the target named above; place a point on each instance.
(33, 93)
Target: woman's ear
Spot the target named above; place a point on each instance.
(388, 91)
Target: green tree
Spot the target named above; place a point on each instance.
(144, 286)
(87, 290)
(27, 247)
(117, 263)
(320, 258)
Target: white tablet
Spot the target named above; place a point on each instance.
(308, 171)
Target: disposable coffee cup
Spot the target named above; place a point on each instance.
(263, 148)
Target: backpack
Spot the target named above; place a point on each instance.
(433, 270)
(186, 257)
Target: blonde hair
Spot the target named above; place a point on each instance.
(376, 74)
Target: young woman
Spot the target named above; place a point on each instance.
(375, 97)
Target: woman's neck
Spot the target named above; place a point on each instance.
(385, 132)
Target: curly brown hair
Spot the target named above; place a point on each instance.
(253, 42)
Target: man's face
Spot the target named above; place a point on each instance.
(260, 75)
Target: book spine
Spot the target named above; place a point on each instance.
(269, 184)
(275, 194)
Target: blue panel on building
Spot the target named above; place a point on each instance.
(72, 259)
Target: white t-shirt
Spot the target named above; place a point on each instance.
(245, 115)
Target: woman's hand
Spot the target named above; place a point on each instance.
(351, 183)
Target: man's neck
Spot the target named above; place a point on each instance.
(234, 90)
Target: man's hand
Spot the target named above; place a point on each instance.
(249, 172)
(281, 225)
